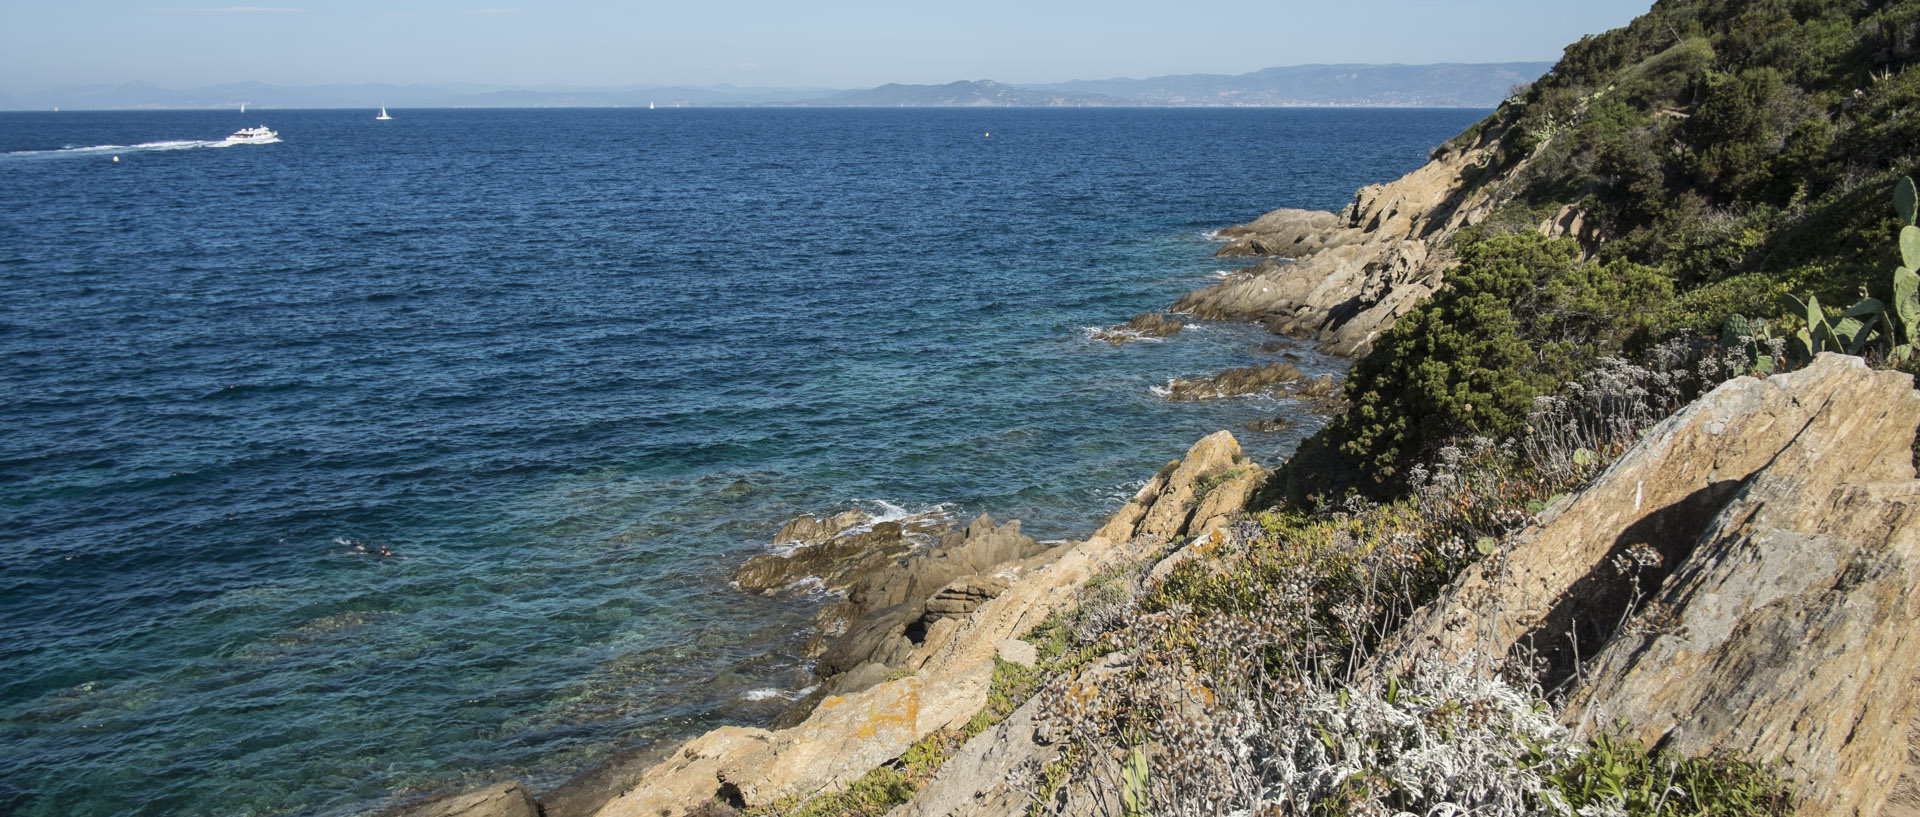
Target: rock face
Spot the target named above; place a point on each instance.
(1342, 279)
(1746, 577)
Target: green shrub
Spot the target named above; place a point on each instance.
(1616, 774)
(1520, 317)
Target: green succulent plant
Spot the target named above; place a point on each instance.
(1860, 326)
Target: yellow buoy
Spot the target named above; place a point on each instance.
(989, 134)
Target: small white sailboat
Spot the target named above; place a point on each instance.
(383, 113)
(649, 106)
(243, 107)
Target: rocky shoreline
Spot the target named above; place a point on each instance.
(1781, 517)
(1778, 618)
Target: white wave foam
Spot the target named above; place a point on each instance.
(1222, 273)
(894, 512)
(883, 511)
(890, 512)
(767, 693)
(1101, 333)
(1161, 391)
(143, 147)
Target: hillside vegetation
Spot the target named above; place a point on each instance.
(1718, 155)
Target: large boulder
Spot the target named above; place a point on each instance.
(1743, 578)
(1191, 496)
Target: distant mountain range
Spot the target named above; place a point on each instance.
(1448, 85)
(1443, 85)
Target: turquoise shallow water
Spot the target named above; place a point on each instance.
(569, 368)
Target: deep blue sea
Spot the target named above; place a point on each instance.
(569, 368)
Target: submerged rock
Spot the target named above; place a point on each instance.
(1234, 382)
(509, 799)
(1272, 425)
(1145, 325)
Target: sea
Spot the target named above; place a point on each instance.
(388, 457)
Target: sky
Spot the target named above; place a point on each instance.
(773, 43)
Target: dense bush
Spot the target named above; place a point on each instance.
(1520, 317)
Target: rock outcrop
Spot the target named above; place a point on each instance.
(892, 609)
(1746, 577)
(837, 551)
(1342, 279)
(944, 617)
(1234, 382)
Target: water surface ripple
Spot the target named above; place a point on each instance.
(568, 368)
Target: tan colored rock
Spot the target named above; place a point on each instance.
(974, 782)
(584, 793)
(810, 529)
(846, 737)
(1287, 232)
(1779, 618)
(1664, 492)
(508, 799)
(1163, 511)
(1217, 455)
(1349, 276)
(1015, 651)
(1791, 637)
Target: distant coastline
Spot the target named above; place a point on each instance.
(1448, 85)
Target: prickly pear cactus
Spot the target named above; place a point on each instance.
(1735, 331)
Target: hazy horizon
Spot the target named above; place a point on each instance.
(593, 44)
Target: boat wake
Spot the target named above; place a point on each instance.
(144, 147)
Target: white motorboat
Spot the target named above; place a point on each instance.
(249, 135)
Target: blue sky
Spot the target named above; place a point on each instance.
(834, 43)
